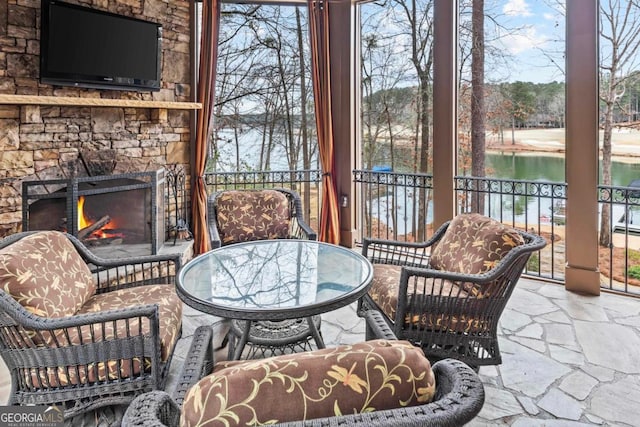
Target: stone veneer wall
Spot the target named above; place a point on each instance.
(44, 142)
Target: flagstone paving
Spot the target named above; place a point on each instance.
(568, 359)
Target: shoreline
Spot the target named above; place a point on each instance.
(625, 144)
(621, 152)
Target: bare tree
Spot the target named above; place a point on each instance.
(417, 26)
(262, 92)
(620, 41)
(384, 103)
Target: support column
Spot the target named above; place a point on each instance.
(445, 109)
(581, 271)
(344, 93)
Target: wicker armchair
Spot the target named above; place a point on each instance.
(261, 214)
(446, 295)
(241, 215)
(459, 397)
(80, 331)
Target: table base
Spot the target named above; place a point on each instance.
(268, 338)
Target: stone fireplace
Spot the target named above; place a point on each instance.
(45, 129)
(102, 211)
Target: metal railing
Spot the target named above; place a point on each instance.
(619, 256)
(395, 205)
(538, 207)
(399, 206)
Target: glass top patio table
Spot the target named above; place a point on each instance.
(274, 280)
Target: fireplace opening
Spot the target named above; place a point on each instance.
(125, 209)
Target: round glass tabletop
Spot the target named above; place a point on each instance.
(277, 278)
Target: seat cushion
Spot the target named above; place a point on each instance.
(348, 379)
(385, 288)
(170, 313)
(384, 292)
(473, 244)
(45, 273)
(252, 215)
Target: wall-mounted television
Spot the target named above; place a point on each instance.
(85, 47)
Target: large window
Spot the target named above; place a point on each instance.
(264, 115)
(511, 97)
(397, 61)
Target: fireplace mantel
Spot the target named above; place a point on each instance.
(6, 99)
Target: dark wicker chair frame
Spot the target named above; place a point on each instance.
(299, 229)
(26, 359)
(475, 345)
(459, 396)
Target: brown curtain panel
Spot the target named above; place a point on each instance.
(321, 75)
(206, 95)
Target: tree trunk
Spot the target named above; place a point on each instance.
(236, 138)
(425, 134)
(605, 217)
(394, 203)
(477, 104)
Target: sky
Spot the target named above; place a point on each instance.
(529, 34)
(532, 31)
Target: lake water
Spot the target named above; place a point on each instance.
(515, 166)
(519, 209)
(499, 165)
(550, 168)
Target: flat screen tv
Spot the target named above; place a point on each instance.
(85, 47)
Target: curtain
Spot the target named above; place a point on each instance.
(206, 95)
(321, 75)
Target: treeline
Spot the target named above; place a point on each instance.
(526, 104)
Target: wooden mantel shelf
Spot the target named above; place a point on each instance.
(95, 102)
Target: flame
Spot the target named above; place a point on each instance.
(83, 221)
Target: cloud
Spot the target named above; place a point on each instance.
(523, 40)
(516, 8)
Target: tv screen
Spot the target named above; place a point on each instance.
(85, 47)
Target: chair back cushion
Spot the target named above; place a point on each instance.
(252, 215)
(348, 379)
(473, 244)
(45, 273)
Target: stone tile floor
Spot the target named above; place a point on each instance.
(568, 360)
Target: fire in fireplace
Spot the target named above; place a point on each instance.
(104, 230)
(100, 210)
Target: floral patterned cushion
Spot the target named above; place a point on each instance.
(170, 313)
(363, 377)
(384, 292)
(473, 244)
(46, 274)
(252, 215)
